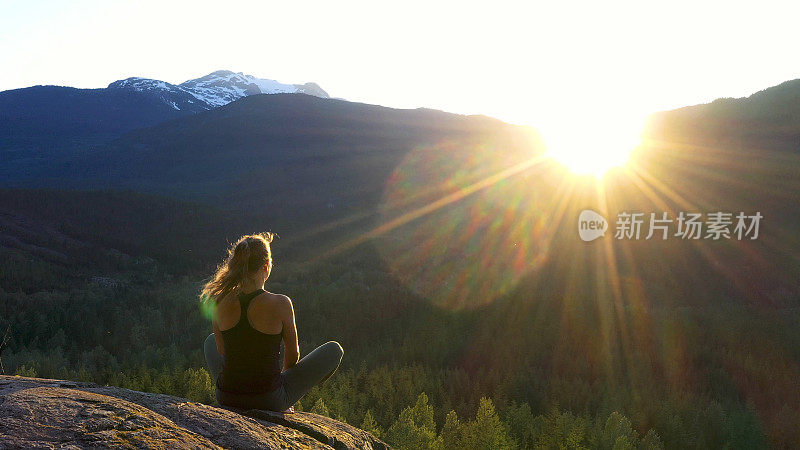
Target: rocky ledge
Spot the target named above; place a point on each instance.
(39, 413)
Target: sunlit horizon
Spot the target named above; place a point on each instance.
(593, 145)
(519, 62)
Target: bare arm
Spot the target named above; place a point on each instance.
(218, 338)
(291, 346)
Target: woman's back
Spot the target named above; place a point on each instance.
(252, 355)
(243, 353)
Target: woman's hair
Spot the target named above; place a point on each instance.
(245, 257)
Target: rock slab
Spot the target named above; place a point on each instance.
(41, 413)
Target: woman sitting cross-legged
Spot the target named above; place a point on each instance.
(243, 353)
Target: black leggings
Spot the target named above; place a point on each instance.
(311, 370)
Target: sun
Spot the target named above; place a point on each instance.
(593, 146)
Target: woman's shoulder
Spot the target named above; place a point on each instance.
(272, 300)
(273, 297)
(269, 307)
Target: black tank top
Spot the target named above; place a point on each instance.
(252, 362)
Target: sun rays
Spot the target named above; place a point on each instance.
(593, 145)
(464, 226)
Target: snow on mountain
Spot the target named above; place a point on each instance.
(222, 87)
(215, 89)
(175, 96)
(141, 84)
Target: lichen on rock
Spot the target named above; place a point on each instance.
(44, 413)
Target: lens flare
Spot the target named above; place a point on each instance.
(481, 229)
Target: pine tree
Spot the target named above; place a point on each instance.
(520, 422)
(561, 430)
(415, 429)
(23, 371)
(452, 435)
(370, 425)
(618, 433)
(198, 385)
(320, 408)
(487, 431)
(651, 441)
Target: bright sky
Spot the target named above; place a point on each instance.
(523, 62)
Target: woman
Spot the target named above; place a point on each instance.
(243, 353)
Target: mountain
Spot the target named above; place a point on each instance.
(223, 86)
(769, 118)
(41, 126)
(177, 97)
(213, 90)
(731, 150)
(293, 153)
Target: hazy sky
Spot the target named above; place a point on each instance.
(523, 62)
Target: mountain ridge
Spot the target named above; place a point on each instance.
(45, 126)
(768, 118)
(289, 142)
(218, 88)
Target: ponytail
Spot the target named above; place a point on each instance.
(246, 256)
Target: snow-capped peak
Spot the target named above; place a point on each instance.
(141, 84)
(223, 86)
(215, 89)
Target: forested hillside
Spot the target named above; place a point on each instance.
(44, 127)
(769, 118)
(699, 365)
